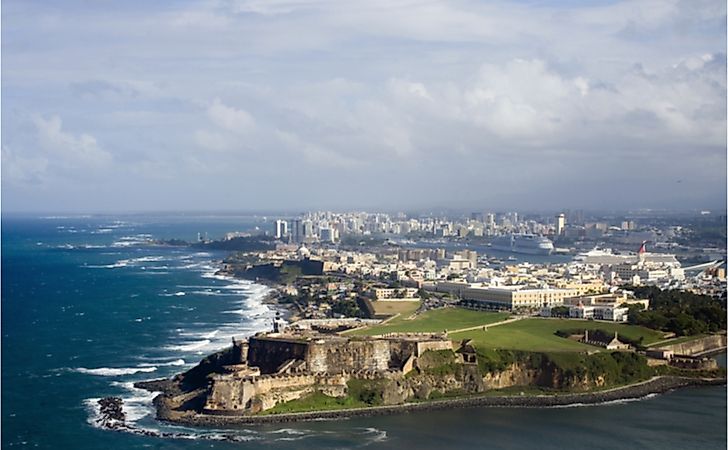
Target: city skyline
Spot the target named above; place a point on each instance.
(216, 105)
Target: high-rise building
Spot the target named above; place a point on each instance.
(328, 234)
(281, 229)
(297, 232)
(560, 224)
(307, 228)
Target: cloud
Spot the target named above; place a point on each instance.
(229, 118)
(229, 126)
(67, 150)
(23, 171)
(97, 89)
(415, 94)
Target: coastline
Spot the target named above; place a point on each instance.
(655, 385)
(270, 299)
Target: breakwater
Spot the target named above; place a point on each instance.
(655, 385)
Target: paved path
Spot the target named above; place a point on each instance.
(486, 326)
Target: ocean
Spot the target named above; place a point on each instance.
(89, 307)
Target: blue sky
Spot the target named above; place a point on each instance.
(297, 104)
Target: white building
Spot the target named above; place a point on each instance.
(281, 229)
(510, 297)
(599, 312)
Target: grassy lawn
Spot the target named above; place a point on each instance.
(538, 335)
(436, 320)
(315, 402)
(392, 308)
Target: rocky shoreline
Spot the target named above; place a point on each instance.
(655, 385)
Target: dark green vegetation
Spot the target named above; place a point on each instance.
(439, 362)
(560, 370)
(560, 311)
(683, 313)
(285, 272)
(349, 308)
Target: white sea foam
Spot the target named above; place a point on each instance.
(173, 294)
(189, 347)
(132, 241)
(289, 431)
(148, 259)
(116, 265)
(176, 362)
(608, 402)
(196, 338)
(114, 372)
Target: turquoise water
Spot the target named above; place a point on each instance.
(88, 307)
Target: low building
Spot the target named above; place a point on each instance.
(407, 293)
(511, 297)
(600, 312)
(597, 339)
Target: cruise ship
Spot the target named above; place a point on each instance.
(523, 243)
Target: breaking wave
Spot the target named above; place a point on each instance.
(114, 372)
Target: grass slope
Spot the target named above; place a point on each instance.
(436, 320)
(538, 335)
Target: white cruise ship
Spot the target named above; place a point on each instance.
(530, 244)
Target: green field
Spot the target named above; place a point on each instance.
(436, 320)
(538, 335)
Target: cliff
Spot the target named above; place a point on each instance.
(279, 373)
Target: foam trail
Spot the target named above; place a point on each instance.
(176, 362)
(114, 372)
(189, 347)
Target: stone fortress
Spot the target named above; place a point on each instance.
(271, 368)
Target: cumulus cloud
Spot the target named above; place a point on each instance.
(21, 170)
(68, 150)
(229, 118)
(410, 93)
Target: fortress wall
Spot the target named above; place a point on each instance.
(424, 346)
(705, 344)
(335, 357)
(229, 393)
(400, 351)
(269, 354)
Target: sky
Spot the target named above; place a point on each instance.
(378, 104)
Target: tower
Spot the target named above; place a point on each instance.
(560, 224)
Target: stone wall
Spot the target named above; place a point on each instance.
(253, 394)
(269, 353)
(697, 346)
(338, 357)
(424, 346)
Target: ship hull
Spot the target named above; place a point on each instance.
(523, 251)
(515, 245)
